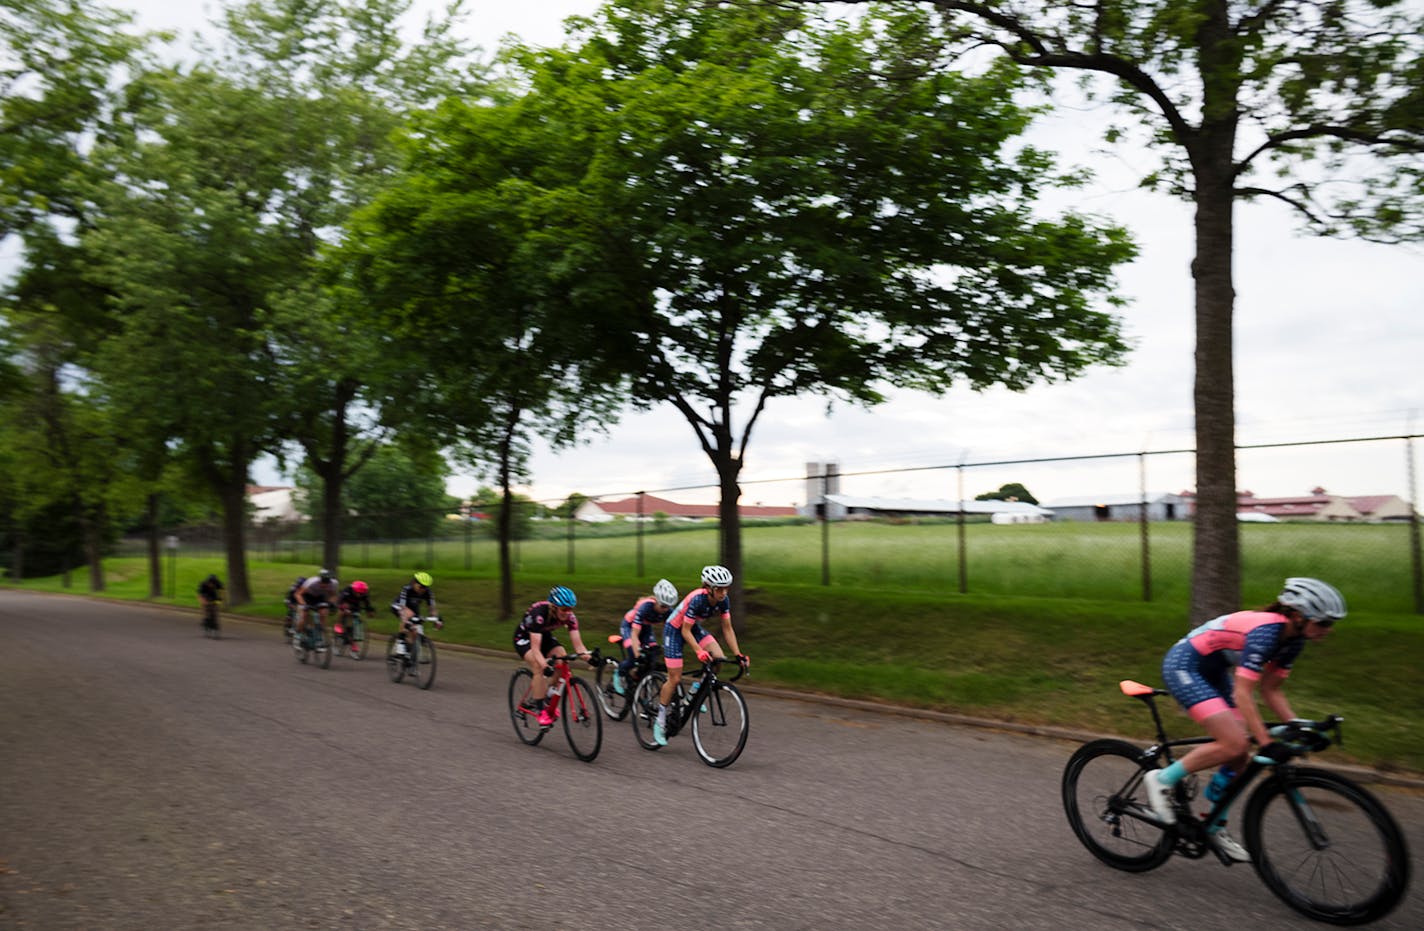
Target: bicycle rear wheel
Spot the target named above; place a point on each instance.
(1106, 807)
(356, 632)
(424, 671)
(645, 709)
(583, 724)
(395, 662)
(1326, 847)
(525, 719)
(720, 725)
(614, 705)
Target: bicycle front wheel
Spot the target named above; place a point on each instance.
(583, 725)
(425, 663)
(645, 709)
(1326, 846)
(322, 643)
(720, 725)
(525, 718)
(1107, 806)
(395, 662)
(614, 705)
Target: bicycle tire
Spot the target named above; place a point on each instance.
(645, 710)
(614, 705)
(323, 648)
(395, 664)
(356, 639)
(1103, 799)
(583, 720)
(525, 720)
(212, 626)
(720, 724)
(1354, 870)
(424, 671)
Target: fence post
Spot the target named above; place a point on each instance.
(469, 531)
(571, 537)
(1142, 509)
(825, 523)
(1416, 560)
(638, 533)
(963, 536)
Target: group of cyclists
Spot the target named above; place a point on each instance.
(535, 640)
(322, 594)
(1217, 672)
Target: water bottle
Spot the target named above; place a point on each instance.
(1219, 781)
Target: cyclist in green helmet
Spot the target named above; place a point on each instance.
(407, 606)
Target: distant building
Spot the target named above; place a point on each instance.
(1326, 507)
(272, 503)
(593, 511)
(1121, 507)
(860, 507)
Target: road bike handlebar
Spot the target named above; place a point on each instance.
(714, 662)
(595, 659)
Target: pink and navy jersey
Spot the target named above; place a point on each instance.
(697, 607)
(645, 613)
(540, 619)
(1247, 640)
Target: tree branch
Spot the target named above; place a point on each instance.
(1328, 131)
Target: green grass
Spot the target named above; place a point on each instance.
(1026, 657)
(1099, 561)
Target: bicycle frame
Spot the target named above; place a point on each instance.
(1191, 833)
(681, 712)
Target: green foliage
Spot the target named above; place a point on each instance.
(1012, 491)
(397, 494)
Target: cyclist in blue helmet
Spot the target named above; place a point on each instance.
(534, 639)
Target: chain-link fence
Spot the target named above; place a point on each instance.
(921, 529)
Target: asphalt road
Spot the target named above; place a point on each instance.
(150, 778)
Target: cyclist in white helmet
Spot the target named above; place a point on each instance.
(637, 628)
(1215, 673)
(685, 625)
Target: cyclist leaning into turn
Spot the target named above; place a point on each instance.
(637, 628)
(354, 597)
(1215, 672)
(685, 624)
(407, 606)
(316, 593)
(534, 640)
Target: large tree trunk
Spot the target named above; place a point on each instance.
(729, 469)
(505, 521)
(332, 516)
(155, 560)
(1216, 555)
(92, 524)
(234, 505)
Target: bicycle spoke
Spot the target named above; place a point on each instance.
(720, 734)
(583, 725)
(1327, 847)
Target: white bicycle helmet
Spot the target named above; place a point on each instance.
(716, 575)
(1313, 598)
(666, 593)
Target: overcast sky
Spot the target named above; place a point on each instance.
(1329, 339)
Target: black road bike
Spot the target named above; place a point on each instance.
(350, 635)
(713, 707)
(1322, 843)
(212, 623)
(615, 705)
(313, 645)
(418, 662)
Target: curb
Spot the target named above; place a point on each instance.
(1362, 774)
